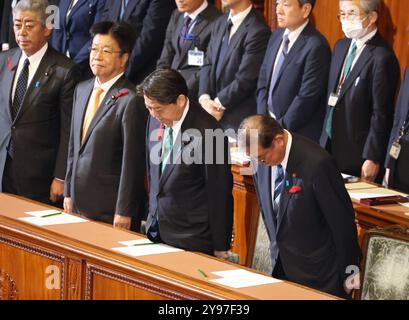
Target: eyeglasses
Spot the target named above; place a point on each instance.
(104, 51)
(349, 16)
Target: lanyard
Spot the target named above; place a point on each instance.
(189, 27)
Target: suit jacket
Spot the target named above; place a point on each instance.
(176, 57)
(105, 174)
(73, 34)
(41, 129)
(149, 18)
(193, 202)
(236, 86)
(398, 177)
(315, 233)
(299, 95)
(363, 115)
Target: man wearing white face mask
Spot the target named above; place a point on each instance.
(362, 84)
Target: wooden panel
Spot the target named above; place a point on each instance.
(27, 266)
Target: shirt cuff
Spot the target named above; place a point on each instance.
(221, 107)
(204, 97)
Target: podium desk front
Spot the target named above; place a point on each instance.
(76, 261)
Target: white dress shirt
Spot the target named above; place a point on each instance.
(177, 125)
(35, 61)
(105, 86)
(195, 13)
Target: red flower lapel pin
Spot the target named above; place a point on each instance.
(160, 132)
(9, 64)
(120, 94)
(295, 189)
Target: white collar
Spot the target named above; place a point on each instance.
(284, 163)
(35, 59)
(239, 18)
(293, 35)
(178, 124)
(198, 11)
(361, 42)
(107, 85)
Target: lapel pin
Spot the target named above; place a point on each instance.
(38, 84)
(9, 64)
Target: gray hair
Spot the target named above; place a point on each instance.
(371, 5)
(38, 6)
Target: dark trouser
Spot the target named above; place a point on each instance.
(278, 272)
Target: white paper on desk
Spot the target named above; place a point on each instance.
(145, 250)
(359, 185)
(135, 242)
(361, 195)
(240, 278)
(41, 213)
(54, 220)
(405, 204)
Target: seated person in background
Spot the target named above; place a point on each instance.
(72, 37)
(190, 191)
(106, 160)
(187, 38)
(306, 209)
(149, 19)
(397, 162)
(228, 79)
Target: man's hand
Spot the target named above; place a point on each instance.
(352, 283)
(67, 205)
(122, 222)
(213, 108)
(56, 190)
(221, 254)
(370, 170)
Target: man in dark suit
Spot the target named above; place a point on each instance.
(306, 209)
(72, 37)
(398, 150)
(187, 38)
(37, 85)
(106, 161)
(362, 84)
(149, 19)
(190, 191)
(292, 84)
(228, 80)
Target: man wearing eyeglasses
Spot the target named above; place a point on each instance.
(37, 85)
(106, 161)
(362, 85)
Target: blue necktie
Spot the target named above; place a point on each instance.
(347, 70)
(185, 30)
(276, 72)
(223, 49)
(278, 188)
(123, 7)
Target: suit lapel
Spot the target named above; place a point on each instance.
(104, 106)
(178, 146)
(129, 9)
(12, 63)
(41, 77)
(76, 7)
(82, 104)
(219, 42)
(63, 10)
(294, 159)
(339, 60)
(365, 56)
(235, 39)
(298, 45)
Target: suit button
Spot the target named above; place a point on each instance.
(13, 128)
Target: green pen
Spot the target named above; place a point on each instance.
(202, 273)
(51, 215)
(143, 244)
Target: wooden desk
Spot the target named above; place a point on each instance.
(79, 256)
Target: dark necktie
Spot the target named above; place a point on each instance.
(278, 188)
(276, 72)
(224, 47)
(345, 73)
(185, 30)
(21, 89)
